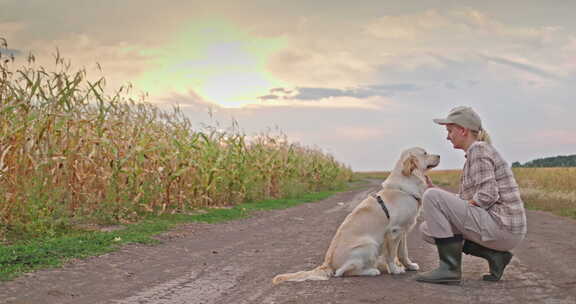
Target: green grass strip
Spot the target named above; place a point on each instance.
(53, 252)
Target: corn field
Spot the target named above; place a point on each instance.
(70, 154)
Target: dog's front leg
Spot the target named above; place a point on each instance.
(389, 257)
(403, 254)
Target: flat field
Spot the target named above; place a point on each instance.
(547, 189)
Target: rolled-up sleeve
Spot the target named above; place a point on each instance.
(482, 175)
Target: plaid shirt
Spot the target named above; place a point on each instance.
(489, 182)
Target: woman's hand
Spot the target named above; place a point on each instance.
(429, 182)
(473, 203)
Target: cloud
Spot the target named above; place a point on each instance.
(332, 102)
(452, 27)
(10, 29)
(433, 48)
(521, 66)
(119, 63)
(361, 133)
(321, 93)
(10, 52)
(323, 64)
(309, 93)
(407, 27)
(269, 97)
(189, 99)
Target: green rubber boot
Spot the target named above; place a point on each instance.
(497, 260)
(449, 270)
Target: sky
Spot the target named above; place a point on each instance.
(361, 80)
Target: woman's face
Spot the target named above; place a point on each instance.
(456, 135)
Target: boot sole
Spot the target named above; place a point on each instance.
(445, 282)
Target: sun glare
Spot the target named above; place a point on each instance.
(219, 62)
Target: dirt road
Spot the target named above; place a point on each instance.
(234, 262)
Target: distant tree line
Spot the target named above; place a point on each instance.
(555, 161)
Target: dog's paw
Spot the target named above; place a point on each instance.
(412, 267)
(371, 272)
(395, 269)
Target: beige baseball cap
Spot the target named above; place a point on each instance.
(462, 116)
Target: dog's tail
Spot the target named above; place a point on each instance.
(322, 272)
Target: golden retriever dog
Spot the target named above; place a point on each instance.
(372, 237)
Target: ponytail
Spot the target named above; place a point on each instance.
(482, 135)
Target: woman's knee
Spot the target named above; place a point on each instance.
(431, 194)
(432, 197)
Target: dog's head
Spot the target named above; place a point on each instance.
(418, 159)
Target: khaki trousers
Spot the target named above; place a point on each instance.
(446, 214)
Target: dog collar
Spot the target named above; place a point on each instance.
(383, 205)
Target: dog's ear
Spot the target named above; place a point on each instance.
(409, 164)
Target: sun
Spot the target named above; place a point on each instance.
(219, 62)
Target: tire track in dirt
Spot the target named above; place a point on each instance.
(203, 287)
